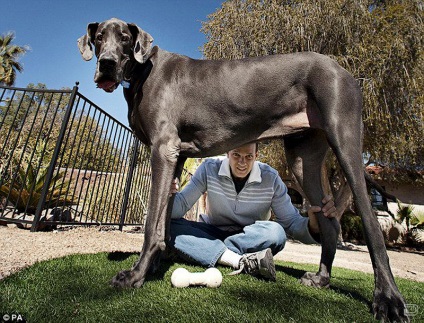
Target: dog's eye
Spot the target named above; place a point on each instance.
(99, 37)
(125, 38)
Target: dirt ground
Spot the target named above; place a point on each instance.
(20, 248)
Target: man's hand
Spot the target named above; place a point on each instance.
(175, 185)
(329, 211)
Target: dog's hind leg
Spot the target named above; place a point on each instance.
(388, 303)
(305, 155)
(164, 160)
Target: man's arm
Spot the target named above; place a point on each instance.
(329, 211)
(303, 229)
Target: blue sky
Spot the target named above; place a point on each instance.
(51, 29)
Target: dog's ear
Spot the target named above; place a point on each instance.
(84, 42)
(142, 43)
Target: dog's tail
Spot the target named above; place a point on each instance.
(371, 182)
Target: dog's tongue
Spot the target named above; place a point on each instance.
(108, 86)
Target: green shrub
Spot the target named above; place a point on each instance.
(351, 225)
(25, 190)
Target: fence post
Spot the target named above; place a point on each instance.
(55, 156)
(134, 158)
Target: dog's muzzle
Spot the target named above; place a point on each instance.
(107, 76)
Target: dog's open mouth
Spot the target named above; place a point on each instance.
(107, 85)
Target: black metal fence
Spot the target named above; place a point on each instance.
(63, 160)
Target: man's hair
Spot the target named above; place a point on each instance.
(256, 147)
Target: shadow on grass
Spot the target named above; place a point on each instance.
(297, 273)
(290, 271)
(353, 294)
(120, 256)
(157, 274)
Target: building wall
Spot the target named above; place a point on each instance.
(406, 193)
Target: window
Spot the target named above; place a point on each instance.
(378, 201)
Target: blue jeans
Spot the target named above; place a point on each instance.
(203, 243)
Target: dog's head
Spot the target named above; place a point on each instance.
(116, 43)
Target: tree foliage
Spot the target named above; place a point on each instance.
(379, 42)
(9, 55)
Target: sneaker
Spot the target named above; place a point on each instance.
(259, 264)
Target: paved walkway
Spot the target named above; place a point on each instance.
(404, 264)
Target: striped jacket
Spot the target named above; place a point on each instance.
(263, 191)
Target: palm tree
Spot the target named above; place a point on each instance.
(9, 54)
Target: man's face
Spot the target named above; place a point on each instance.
(242, 160)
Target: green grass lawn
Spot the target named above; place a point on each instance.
(76, 289)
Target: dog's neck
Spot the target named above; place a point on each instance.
(128, 73)
(132, 67)
(133, 93)
(138, 75)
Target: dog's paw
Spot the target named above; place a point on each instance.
(315, 280)
(389, 306)
(126, 279)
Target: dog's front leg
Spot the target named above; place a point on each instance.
(167, 224)
(164, 161)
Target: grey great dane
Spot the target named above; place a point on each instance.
(182, 107)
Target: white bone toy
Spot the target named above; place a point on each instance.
(181, 277)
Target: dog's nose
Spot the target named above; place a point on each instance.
(107, 64)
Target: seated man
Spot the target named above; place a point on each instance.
(237, 230)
